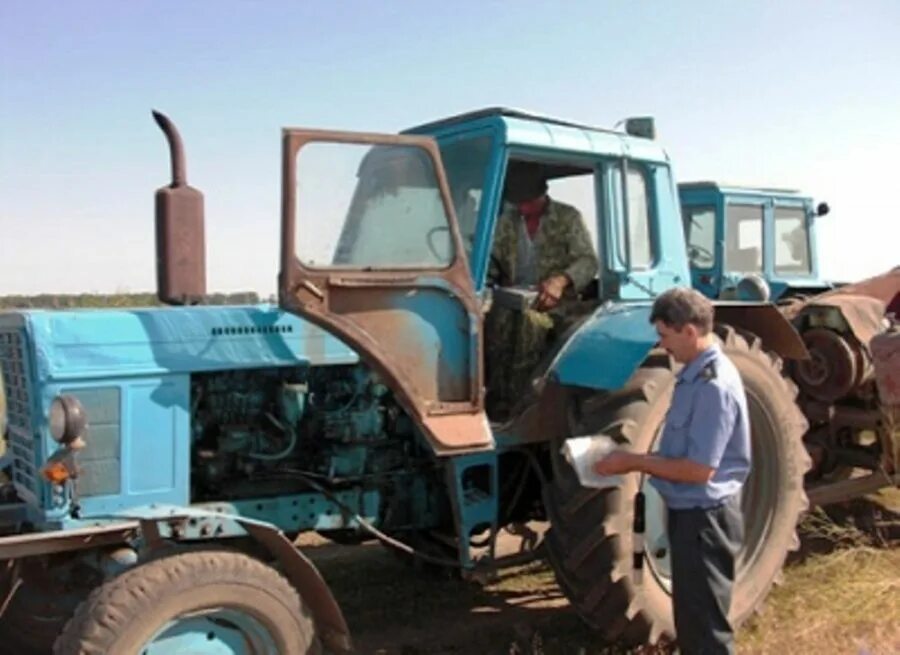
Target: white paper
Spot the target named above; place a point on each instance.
(583, 452)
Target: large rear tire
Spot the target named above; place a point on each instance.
(196, 601)
(589, 543)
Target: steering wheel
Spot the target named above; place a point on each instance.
(701, 254)
(429, 239)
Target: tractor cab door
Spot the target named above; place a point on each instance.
(371, 252)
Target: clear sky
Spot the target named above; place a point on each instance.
(798, 94)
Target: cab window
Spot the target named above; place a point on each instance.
(370, 207)
(700, 233)
(791, 241)
(579, 191)
(466, 164)
(635, 246)
(571, 183)
(744, 238)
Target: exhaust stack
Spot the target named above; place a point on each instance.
(180, 237)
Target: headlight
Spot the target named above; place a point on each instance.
(67, 419)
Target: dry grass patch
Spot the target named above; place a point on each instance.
(845, 600)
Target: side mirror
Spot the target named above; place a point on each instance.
(180, 238)
(822, 208)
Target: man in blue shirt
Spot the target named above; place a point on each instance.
(699, 469)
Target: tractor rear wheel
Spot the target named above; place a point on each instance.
(589, 543)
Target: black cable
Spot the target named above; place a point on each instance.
(368, 527)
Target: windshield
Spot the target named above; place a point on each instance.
(361, 206)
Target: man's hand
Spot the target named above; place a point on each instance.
(550, 292)
(616, 462)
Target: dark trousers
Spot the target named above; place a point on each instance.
(704, 544)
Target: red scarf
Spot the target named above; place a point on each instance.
(531, 212)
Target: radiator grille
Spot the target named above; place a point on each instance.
(15, 369)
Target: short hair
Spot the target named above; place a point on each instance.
(682, 306)
(524, 181)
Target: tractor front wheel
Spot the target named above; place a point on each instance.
(205, 601)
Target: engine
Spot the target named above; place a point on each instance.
(264, 431)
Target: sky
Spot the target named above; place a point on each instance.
(791, 94)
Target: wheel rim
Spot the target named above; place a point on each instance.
(214, 631)
(656, 539)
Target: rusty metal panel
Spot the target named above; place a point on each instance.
(864, 314)
(330, 623)
(886, 359)
(459, 431)
(433, 334)
(45, 543)
(862, 304)
(884, 287)
(419, 329)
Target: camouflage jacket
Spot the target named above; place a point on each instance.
(562, 245)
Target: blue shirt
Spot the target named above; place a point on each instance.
(708, 424)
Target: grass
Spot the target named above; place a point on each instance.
(842, 593)
(847, 601)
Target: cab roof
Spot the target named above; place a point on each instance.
(509, 112)
(725, 188)
(528, 129)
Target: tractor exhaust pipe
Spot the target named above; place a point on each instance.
(176, 149)
(180, 238)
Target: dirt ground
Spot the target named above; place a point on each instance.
(841, 595)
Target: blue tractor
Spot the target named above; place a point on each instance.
(160, 462)
(751, 242)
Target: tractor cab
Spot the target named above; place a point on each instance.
(751, 243)
(389, 242)
(619, 182)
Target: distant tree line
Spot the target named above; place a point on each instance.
(73, 301)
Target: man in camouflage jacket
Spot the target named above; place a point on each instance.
(543, 244)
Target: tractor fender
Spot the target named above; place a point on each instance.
(765, 321)
(303, 574)
(605, 349)
(158, 520)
